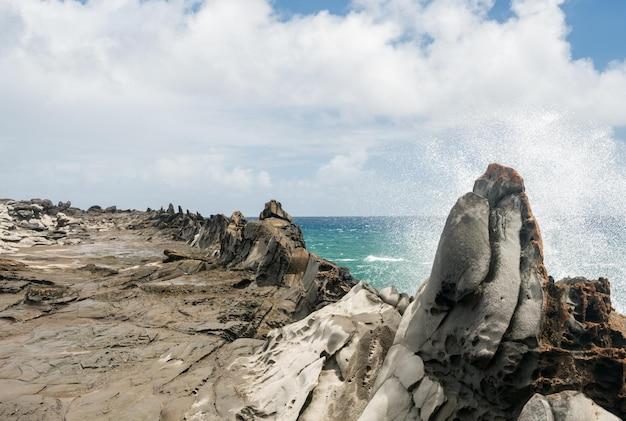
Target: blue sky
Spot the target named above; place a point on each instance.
(390, 108)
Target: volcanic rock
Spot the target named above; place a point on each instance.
(564, 406)
(321, 367)
(98, 325)
(274, 209)
(489, 328)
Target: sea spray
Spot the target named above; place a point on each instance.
(574, 175)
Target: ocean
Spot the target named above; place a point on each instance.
(399, 251)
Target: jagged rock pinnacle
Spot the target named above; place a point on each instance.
(274, 209)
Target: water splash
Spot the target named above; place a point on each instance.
(575, 178)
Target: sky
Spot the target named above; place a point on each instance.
(362, 107)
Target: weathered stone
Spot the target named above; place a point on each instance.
(353, 333)
(391, 402)
(564, 406)
(536, 409)
(463, 323)
(274, 209)
(390, 295)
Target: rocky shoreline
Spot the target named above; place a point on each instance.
(170, 315)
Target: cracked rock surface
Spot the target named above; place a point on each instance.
(97, 323)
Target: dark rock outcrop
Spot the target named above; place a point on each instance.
(583, 343)
(274, 209)
(271, 249)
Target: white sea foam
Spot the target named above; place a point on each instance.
(371, 259)
(344, 260)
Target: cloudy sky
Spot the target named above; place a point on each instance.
(363, 107)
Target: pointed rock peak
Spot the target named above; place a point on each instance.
(170, 209)
(497, 182)
(237, 219)
(274, 209)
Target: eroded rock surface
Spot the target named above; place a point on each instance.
(169, 315)
(564, 406)
(99, 323)
(489, 327)
(321, 367)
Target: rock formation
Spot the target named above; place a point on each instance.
(99, 324)
(564, 406)
(39, 222)
(271, 248)
(489, 328)
(239, 321)
(320, 368)
(274, 209)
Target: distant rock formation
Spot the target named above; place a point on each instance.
(39, 222)
(272, 248)
(274, 209)
(489, 328)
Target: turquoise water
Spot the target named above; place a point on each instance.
(399, 250)
(381, 250)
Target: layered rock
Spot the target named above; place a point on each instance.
(274, 209)
(221, 328)
(116, 330)
(321, 367)
(489, 328)
(40, 222)
(271, 248)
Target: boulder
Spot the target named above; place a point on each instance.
(564, 406)
(390, 295)
(274, 209)
(111, 209)
(45, 204)
(403, 302)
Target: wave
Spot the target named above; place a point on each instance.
(344, 260)
(371, 259)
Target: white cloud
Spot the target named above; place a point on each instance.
(242, 99)
(342, 168)
(207, 170)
